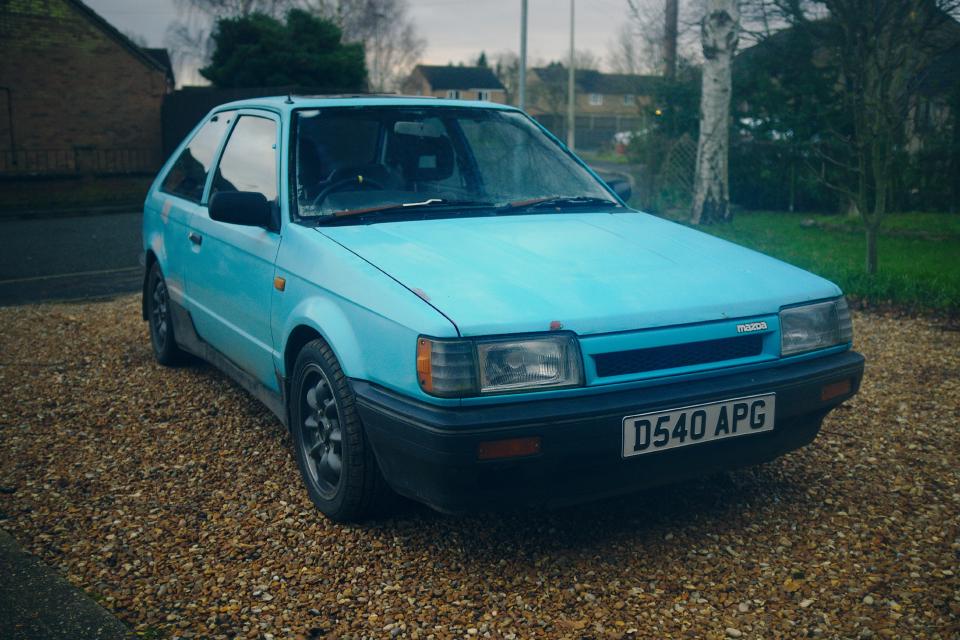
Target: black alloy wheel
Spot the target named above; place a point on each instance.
(335, 459)
(159, 317)
(321, 438)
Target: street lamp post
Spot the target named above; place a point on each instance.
(571, 95)
(522, 89)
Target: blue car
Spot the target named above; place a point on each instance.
(440, 300)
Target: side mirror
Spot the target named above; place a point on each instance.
(248, 208)
(621, 187)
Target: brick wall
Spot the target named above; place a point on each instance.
(500, 97)
(612, 104)
(551, 99)
(416, 85)
(75, 88)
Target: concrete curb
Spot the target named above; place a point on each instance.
(37, 603)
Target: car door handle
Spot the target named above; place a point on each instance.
(195, 238)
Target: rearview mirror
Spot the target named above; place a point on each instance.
(248, 208)
(621, 187)
(421, 129)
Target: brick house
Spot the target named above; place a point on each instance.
(598, 94)
(76, 95)
(458, 83)
(606, 103)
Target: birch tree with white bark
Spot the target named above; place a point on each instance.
(720, 32)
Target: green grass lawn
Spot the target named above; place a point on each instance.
(919, 270)
(932, 225)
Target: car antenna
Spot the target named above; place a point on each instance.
(289, 100)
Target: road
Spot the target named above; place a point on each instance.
(69, 258)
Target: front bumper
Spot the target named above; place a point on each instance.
(429, 453)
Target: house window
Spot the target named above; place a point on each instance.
(483, 94)
(628, 100)
(453, 94)
(596, 99)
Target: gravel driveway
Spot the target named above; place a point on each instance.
(173, 497)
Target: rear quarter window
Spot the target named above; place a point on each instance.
(188, 175)
(249, 161)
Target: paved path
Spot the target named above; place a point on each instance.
(60, 258)
(69, 258)
(37, 603)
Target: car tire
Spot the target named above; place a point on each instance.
(332, 451)
(160, 319)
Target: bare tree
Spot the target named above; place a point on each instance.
(719, 34)
(632, 52)
(670, 32)
(232, 8)
(663, 33)
(586, 59)
(506, 65)
(642, 35)
(188, 38)
(189, 47)
(881, 50)
(384, 27)
(387, 33)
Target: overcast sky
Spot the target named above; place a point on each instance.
(455, 30)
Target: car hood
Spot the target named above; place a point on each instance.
(591, 272)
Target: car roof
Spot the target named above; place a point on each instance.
(293, 102)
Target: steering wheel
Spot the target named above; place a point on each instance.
(357, 180)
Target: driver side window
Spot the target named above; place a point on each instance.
(249, 161)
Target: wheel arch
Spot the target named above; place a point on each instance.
(318, 318)
(149, 259)
(298, 338)
(302, 332)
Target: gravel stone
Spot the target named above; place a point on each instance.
(174, 497)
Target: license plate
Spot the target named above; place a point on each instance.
(662, 430)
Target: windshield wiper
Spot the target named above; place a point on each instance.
(560, 202)
(401, 207)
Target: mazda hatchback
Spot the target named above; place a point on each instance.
(439, 299)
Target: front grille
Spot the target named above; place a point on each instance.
(620, 363)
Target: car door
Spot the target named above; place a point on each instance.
(230, 273)
(179, 196)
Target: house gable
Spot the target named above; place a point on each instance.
(446, 78)
(81, 96)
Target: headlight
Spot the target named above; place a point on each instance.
(815, 326)
(458, 368)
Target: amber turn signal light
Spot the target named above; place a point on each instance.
(511, 448)
(835, 389)
(424, 365)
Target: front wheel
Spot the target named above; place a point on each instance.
(165, 348)
(335, 460)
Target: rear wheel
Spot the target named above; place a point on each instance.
(335, 459)
(165, 348)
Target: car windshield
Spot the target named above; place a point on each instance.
(363, 159)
